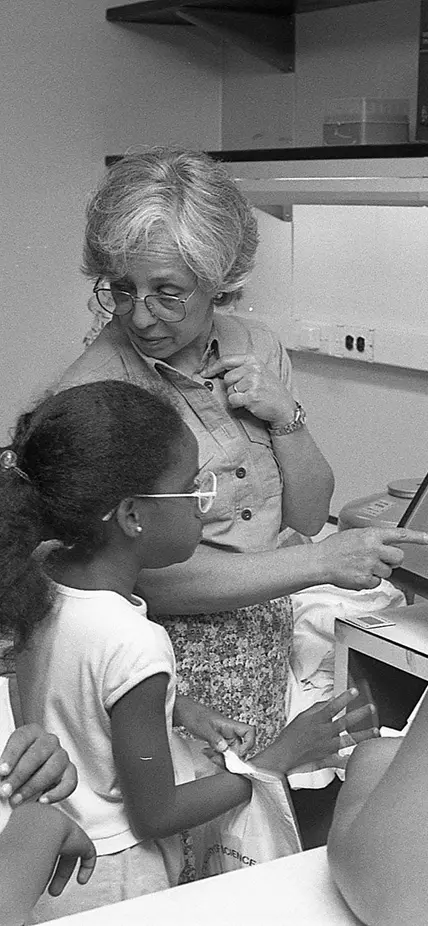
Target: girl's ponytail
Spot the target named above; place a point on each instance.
(72, 460)
(25, 594)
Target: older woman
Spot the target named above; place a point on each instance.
(170, 241)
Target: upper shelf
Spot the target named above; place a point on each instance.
(167, 11)
(326, 153)
(383, 175)
(265, 28)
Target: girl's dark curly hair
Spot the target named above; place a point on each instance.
(83, 451)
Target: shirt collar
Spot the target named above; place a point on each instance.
(211, 352)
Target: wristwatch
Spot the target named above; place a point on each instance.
(299, 419)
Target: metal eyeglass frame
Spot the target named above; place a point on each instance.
(134, 299)
(208, 495)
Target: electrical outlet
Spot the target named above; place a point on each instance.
(354, 342)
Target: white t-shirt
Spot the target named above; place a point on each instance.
(7, 726)
(91, 650)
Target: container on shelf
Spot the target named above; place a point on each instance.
(366, 121)
(383, 509)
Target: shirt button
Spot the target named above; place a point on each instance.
(241, 472)
(246, 514)
(209, 384)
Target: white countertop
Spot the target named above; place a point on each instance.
(293, 891)
(410, 629)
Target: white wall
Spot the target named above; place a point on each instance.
(371, 421)
(258, 108)
(370, 49)
(73, 89)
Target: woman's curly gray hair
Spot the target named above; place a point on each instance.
(181, 199)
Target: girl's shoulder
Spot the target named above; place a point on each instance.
(99, 602)
(103, 615)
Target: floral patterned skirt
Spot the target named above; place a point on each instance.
(237, 661)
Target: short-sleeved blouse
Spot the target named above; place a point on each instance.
(235, 660)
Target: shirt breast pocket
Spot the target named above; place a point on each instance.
(262, 457)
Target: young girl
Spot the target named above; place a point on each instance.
(111, 472)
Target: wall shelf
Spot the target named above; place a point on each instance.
(389, 179)
(323, 153)
(166, 12)
(265, 28)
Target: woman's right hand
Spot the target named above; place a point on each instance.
(359, 558)
(314, 735)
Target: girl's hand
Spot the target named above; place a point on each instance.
(252, 385)
(33, 766)
(314, 736)
(208, 724)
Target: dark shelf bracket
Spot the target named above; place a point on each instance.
(270, 38)
(262, 30)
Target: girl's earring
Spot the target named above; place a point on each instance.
(138, 528)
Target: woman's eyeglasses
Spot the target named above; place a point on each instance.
(117, 301)
(205, 494)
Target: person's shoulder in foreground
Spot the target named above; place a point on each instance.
(378, 842)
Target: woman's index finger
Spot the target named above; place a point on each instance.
(403, 535)
(224, 363)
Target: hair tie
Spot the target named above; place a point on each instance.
(8, 460)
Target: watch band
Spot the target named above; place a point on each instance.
(299, 420)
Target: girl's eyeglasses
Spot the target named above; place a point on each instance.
(205, 494)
